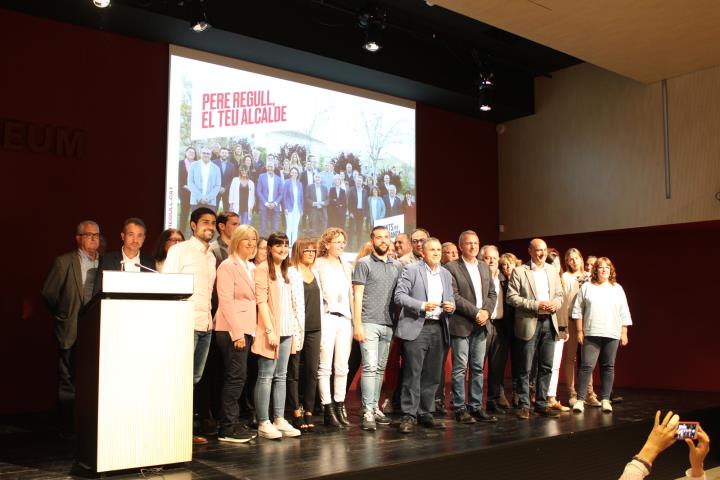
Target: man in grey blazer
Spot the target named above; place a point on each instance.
(536, 293)
(425, 294)
(475, 298)
(68, 287)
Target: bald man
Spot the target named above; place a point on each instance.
(536, 294)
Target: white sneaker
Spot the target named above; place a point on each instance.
(579, 406)
(285, 428)
(606, 406)
(268, 430)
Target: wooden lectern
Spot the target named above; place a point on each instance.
(134, 369)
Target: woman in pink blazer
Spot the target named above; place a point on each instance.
(235, 323)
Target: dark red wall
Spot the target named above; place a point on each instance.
(114, 90)
(457, 175)
(668, 275)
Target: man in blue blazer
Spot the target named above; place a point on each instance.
(269, 192)
(204, 182)
(425, 293)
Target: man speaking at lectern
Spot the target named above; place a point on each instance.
(129, 256)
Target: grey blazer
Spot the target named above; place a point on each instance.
(522, 295)
(462, 322)
(62, 293)
(411, 292)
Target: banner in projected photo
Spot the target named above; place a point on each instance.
(225, 123)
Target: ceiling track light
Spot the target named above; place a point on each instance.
(198, 16)
(486, 85)
(372, 24)
(101, 3)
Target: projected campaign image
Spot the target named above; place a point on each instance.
(286, 156)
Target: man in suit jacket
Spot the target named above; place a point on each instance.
(425, 294)
(129, 255)
(475, 298)
(269, 192)
(536, 293)
(337, 206)
(393, 203)
(68, 287)
(204, 182)
(316, 202)
(357, 207)
(228, 171)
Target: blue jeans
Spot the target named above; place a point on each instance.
(245, 218)
(202, 347)
(271, 376)
(606, 349)
(543, 340)
(470, 348)
(375, 350)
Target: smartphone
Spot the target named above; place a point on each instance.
(687, 430)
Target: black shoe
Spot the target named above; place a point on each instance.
(342, 413)
(367, 421)
(427, 421)
(481, 416)
(547, 412)
(407, 425)
(440, 407)
(494, 407)
(331, 419)
(463, 416)
(239, 435)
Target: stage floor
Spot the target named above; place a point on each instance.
(30, 449)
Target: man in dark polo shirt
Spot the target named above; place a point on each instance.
(374, 280)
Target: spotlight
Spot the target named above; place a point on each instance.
(101, 3)
(372, 25)
(486, 84)
(198, 19)
(485, 100)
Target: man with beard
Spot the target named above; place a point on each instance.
(374, 280)
(194, 257)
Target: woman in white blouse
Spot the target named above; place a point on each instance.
(242, 196)
(602, 318)
(336, 337)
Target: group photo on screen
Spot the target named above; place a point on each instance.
(287, 156)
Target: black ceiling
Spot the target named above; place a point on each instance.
(429, 54)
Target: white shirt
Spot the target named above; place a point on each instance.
(194, 257)
(359, 198)
(603, 309)
(129, 263)
(542, 285)
(335, 285)
(435, 291)
(205, 172)
(476, 281)
(271, 187)
(498, 312)
(310, 177)
(318, 196)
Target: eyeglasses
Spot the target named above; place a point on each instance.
(314, 252)
(174, 240)
(90, 235)
(418, 240)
